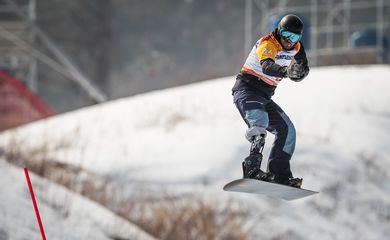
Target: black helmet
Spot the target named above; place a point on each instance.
(291, 23)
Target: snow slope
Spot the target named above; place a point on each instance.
(192, 137)
(64, 215)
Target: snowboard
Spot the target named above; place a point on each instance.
(275, 190)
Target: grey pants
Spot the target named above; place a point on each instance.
(261, 112)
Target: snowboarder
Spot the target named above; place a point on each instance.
(275, 56)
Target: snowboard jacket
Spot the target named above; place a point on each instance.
(264, 68)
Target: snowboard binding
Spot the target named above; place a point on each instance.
(251, 166)
(292, 182)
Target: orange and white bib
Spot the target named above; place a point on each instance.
(268, 47)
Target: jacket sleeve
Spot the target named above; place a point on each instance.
(301, 66)
(300, 57)
(270, 68)
(266, 53)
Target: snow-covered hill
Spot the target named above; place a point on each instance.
(65, 215)
(191, 138)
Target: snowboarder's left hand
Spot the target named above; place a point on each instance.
(297, 71)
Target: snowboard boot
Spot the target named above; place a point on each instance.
(290, 181)
(251, 166)
(280, 168)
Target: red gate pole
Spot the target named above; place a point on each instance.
(30, 188)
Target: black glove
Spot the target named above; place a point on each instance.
(297, 71)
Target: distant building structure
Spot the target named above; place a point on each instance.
(332, 22)
(105, 52)
(371, 38)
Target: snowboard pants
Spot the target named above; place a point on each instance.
(261, 112)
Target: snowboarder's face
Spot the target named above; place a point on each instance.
(286, 43)
(289, 39)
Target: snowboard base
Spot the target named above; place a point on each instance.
(275, 190)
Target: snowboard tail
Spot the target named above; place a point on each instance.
(275, 190)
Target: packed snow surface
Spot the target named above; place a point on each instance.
(192, 137)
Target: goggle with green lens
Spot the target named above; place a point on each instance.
(292, 37)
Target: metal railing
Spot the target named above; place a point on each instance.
(24, 46)
(331, 24)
